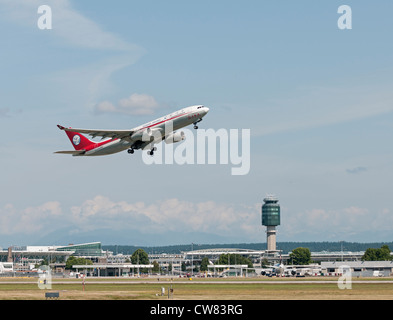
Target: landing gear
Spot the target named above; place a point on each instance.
(130, 151)
(195, 124)
(151, 152)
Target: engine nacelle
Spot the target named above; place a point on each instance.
(175, 137)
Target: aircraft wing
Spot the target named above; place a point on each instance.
(113, 134)
(73, 152)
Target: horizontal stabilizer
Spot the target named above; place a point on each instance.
(74, 152)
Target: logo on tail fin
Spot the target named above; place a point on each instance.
(79, 141)
(76, 139)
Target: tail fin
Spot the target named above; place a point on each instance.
(79, 141)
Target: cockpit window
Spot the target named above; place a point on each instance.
(200, 107)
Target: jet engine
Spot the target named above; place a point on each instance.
(174, 137)
(148, 135)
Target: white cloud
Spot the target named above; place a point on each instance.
(356, 170)
(30, 220)
(159, 217)
(86, 82)
(313, 107)
(171, 214)
(174, 215)
(337, 224)
(136, 104)
(68, 25)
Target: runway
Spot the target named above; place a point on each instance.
(178, 281)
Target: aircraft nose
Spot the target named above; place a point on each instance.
(206, 109)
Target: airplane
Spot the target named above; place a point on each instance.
(140, 137)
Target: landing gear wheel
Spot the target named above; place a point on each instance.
(195, 124)
(130, 151)
(151, 152)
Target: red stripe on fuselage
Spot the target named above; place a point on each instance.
(165, 121)
(99, 144)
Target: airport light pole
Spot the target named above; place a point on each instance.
(342, 253)
(192, 259)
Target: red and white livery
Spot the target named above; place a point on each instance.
(140, 137)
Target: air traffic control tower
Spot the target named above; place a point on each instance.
(271, 219)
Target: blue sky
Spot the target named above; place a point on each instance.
(318, 101)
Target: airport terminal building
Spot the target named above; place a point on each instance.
(24, 260)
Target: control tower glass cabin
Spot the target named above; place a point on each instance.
(271, 219)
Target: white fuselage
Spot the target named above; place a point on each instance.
(174, 120)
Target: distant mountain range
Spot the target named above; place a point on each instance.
(127, 241)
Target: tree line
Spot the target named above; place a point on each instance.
(298, 256)
(302, 256)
